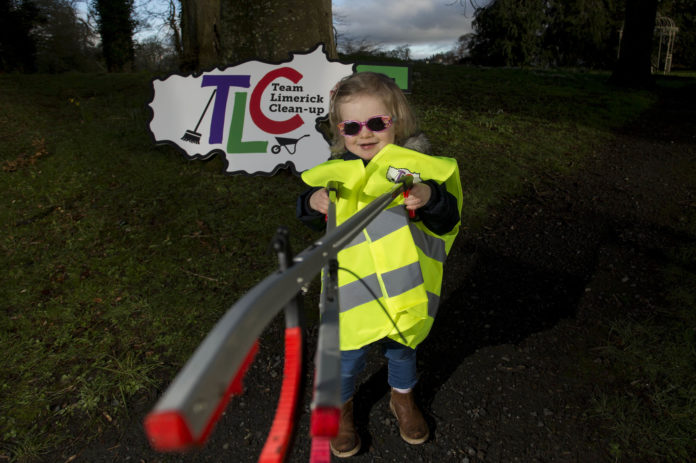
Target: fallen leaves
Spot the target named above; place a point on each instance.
(25, 160)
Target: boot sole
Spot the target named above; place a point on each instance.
(347, 453)
(410, 440)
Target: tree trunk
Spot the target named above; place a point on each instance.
(226, 32)
(116, 26)
(633, 68)
(199, 25)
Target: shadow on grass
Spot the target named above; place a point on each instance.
(502, 301)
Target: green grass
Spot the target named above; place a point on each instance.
(510, 128)
(651, 407)
(119, 256)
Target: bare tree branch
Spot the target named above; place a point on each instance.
(475, 5)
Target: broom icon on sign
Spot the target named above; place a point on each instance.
(193, 136)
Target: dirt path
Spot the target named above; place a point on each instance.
(509, 370)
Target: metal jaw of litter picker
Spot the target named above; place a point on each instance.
(186, 413)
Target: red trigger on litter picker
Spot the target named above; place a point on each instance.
(411, 213)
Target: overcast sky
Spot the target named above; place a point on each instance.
(427, 26)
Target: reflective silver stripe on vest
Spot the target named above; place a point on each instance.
(355, 293)
(388, 221)
(431, 246)
(402, 279)
(433, 303)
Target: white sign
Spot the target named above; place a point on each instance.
(260, 116)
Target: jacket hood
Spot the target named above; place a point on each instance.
(418, 142)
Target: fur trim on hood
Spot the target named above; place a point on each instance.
(419, 142)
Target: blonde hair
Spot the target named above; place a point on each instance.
(378, 86)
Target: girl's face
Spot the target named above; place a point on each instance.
(366, 144)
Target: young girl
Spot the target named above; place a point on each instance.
(390, 275)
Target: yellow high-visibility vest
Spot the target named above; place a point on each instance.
(395, 261)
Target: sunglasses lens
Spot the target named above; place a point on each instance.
(376, 124)
(351, 128)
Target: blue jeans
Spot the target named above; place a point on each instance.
(401, 366)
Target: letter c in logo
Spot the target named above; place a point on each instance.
(264, 123)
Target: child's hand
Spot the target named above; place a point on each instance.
(319, 201)
(418, 196)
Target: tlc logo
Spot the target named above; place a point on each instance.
(223, 84)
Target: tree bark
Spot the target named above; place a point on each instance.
(633, 69)
(226, 32)
(116, 26)
(199, 25)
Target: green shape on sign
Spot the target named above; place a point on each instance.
(400, 74)
(235, 145)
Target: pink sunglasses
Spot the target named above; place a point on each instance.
(378, 123)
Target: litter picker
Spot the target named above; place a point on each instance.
(186, 413)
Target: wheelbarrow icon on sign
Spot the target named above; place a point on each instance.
(290, 144)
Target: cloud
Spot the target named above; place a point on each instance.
(427, 26)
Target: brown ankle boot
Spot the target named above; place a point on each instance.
(412, 425)
(347, 442)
